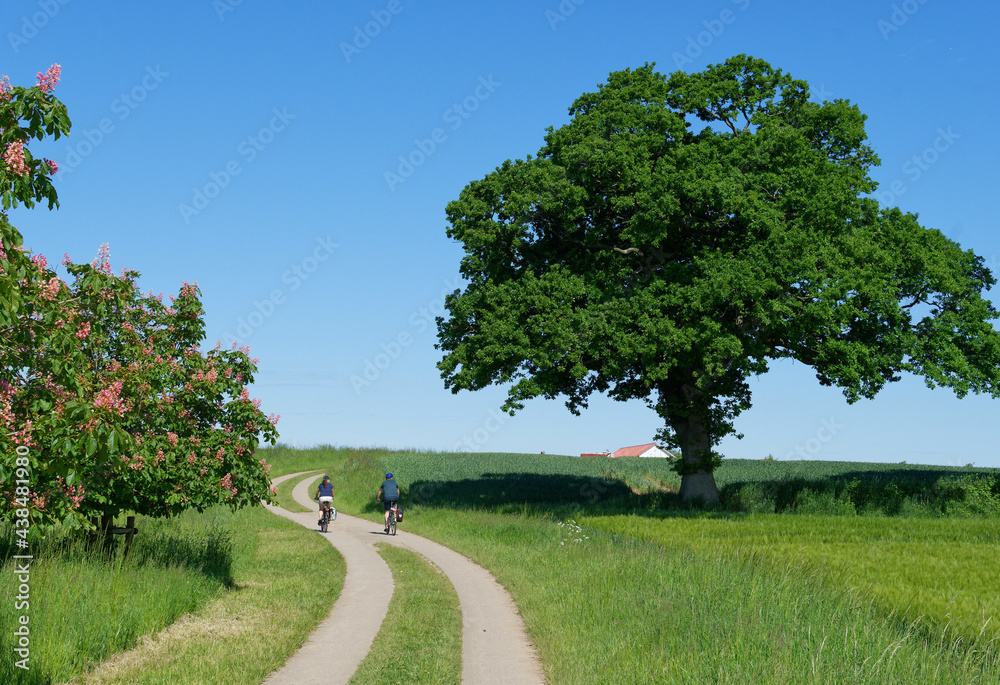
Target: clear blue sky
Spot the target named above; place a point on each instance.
(245, 145)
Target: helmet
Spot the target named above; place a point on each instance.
(388, 475)
(326, 477)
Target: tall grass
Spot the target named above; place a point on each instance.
(929, 572)
(88, 602)
(616, 609)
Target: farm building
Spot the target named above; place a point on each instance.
(595, 454)
(648, 450)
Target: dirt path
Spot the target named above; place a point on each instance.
(496, 649)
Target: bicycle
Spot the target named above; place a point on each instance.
(393, 513)
(329, 513)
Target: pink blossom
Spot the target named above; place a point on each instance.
(101, 262)
(14, 158)
(75, 495)
(191, 457)
(53, 167)
(47, 81)
(51, 289)
(5, 87)
(172, 439)
(84, 330)
(66, 261)
(109, 399)
(39, 261)
(227, 483)
(274, 418)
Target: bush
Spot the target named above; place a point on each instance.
(808, 501)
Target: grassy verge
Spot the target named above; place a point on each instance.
(421, 640)
(216, 597)
(615, 608)
(284, 497)
(933, 572)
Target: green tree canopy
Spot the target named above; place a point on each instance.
(680, 232)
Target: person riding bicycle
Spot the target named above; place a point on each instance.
(324, 494)
(388, 492)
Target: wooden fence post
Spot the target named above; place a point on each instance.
(129, 532)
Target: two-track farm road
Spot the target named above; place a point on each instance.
(496, 649)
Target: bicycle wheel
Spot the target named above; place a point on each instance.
(326, 520)
(392, 524)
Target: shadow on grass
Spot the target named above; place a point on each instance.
(562, 493)
(893, 492)
(209, 553)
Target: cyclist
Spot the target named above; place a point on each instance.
(388, 492)
(324, 494)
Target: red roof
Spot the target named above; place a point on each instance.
(595, 454)
(635, 450)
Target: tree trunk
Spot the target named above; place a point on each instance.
(697, 485)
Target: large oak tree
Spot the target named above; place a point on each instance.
(680, 232)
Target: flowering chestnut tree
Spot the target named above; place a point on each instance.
(107, 401)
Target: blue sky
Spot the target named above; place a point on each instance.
(296, 158)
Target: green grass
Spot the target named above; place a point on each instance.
(934, 572)
(616, 608)
(247, 587)
(645, 590)
(284, 498)
(421, 640)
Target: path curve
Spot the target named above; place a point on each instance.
(496, 649)
(340, 643)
